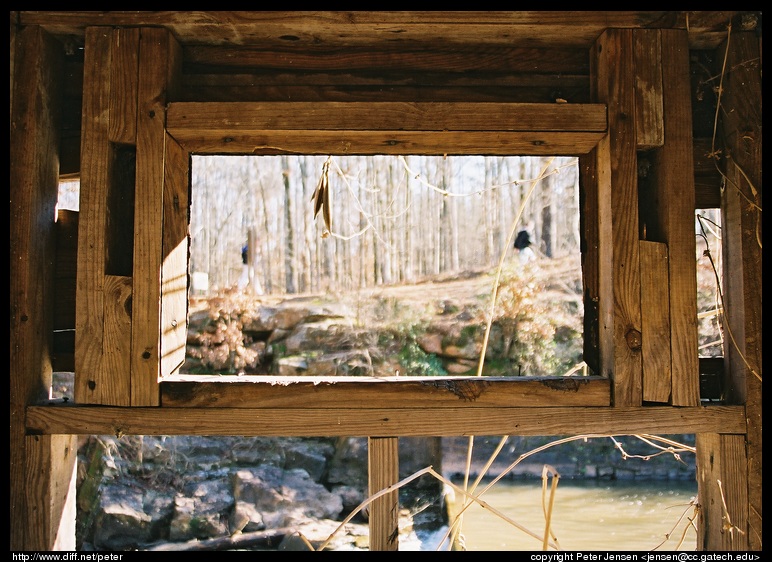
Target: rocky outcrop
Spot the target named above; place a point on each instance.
(304, 336)
(145, 492)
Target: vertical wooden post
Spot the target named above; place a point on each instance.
(104, 273)
(41, 469)
(160, 64)
(673, 176)
(722, 493)
(383, 471)
(51, 491)
(619, 288)
(655, 295)
(174, 264)
(740, 110)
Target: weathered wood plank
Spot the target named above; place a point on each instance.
(357, 392)
(490, 91)
(446, 57)
(722, 489)
(387, 128)
(35, 112)
(174, 265)
(648, 88)
(590, 218)
(742, 251)
(544, 143)
(124, 69)
(396, 422)
(655, 322)
(674, 185)
(194, 119)
(50, 481)
(382, 472)
(354, 28)
(619, 282)
(158, 63)
(116, 347)
(91, 380)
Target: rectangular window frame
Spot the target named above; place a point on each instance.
(361, 128)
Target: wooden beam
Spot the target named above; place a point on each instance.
(50, 481)
(722, 493)
(619, 286)
(193, 119)
(546, 143)
(332, 64)
(655, 322)
(124, 70)
(374, 422)
(382, 472)
(97, 381)
(387, 127)
(742, 252)
(649, 117)
(306, 29)
(174, 264)
(590, 215)
(37, 510)
(673, 172)
(159, 67)
(224, 391)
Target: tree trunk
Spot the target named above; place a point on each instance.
(289, 234)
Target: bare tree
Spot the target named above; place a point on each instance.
(289, 231)
(393, 219)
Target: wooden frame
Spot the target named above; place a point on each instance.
(374, 128)
(119, 384)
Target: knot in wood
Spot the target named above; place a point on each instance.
(634, 340)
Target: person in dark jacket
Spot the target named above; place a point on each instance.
(523, 247)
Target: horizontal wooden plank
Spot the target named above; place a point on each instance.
(569, 28)
(393, 142)
(396, 392)
(190, 119)
(387, 128)
(574, 91)
(382, 422)
(445, 57)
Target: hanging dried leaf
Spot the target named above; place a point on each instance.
(326, 205)
(321, 198)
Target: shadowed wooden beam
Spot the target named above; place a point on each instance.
(309, 29)
(41, 473)
(742, 237)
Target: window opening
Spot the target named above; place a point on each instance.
(388, 269)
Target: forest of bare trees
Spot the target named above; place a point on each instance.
(393, 219)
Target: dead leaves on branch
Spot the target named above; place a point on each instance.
(321, 198)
